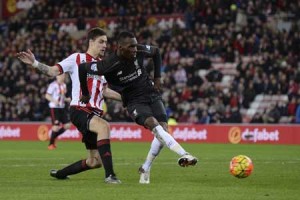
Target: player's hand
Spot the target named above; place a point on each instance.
(68, 99)
(26, 57)
(56, 102)
(157, 84)
(84, 99)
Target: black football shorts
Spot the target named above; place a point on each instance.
(59, 116)
(80, 118)
(140, 111)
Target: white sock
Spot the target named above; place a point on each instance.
(168, 140)
(155, 148)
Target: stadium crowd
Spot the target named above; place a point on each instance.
(210, 32)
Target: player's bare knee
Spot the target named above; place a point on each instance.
(55, 128)
(94, 163)
(151, 122)
(165, 126)
(67, 126)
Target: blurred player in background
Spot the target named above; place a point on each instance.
(86, 117)
(56, 95)
(126, 73)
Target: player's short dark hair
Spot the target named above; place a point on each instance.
(94, 33)
(123, 35)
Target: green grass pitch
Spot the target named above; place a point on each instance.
(24, 173)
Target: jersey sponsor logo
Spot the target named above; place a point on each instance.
(148, 47)
(130, 77)
(96, 77)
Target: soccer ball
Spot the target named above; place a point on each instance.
(241, 166)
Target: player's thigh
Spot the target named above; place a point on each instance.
(99, 126)
(64, 116)
(159, 111)
(139, 112)
(80, 119)
(67, 125)
(55, 116)
(55, 128)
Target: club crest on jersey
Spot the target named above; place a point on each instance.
(135, 113)
(119, 73)
(94, 67)
(136, 64)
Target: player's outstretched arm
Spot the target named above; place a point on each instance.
(154, 53)
(28, 58)
(85, 97)
(93, 68)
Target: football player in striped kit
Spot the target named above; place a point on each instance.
(56, 95)
(86, 117)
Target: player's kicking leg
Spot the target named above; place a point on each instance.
(186, 158)
(144, 170)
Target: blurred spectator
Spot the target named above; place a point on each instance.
(297, 116)
(272, 114)
(257, 118)
(207, 53)
(249, 95)
(81, 23)
(292, 106)
(205, 119)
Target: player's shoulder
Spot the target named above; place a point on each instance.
(145, 47)
(146, 50)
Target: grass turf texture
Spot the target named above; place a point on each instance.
(24, 173)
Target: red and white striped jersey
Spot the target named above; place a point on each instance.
(95, 83)
(58, 92)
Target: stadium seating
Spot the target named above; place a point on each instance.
(255, 56)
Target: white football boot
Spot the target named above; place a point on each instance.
(112, 179)
(187, 160)
(144, 176)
